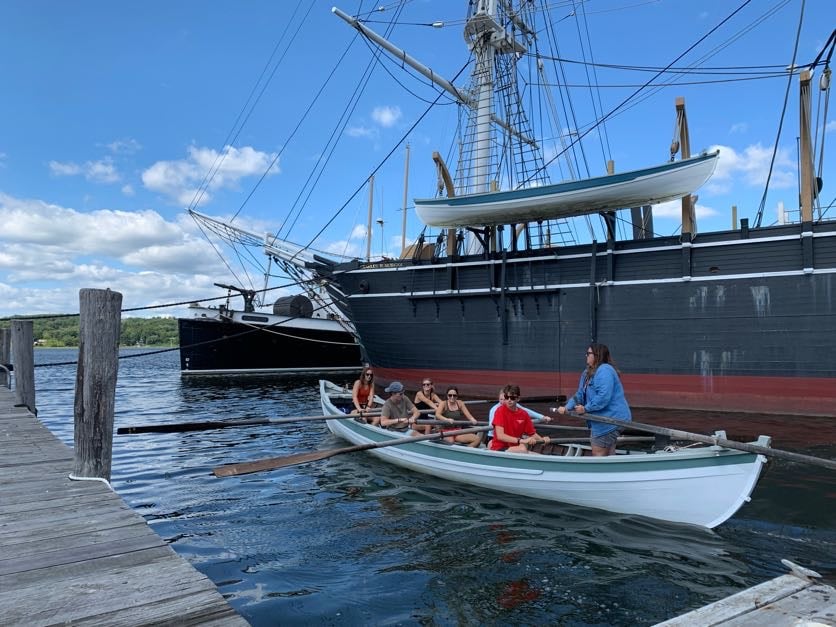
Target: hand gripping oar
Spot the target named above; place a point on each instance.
(303, 458)
(711, 439)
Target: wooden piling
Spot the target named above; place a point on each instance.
(5, 356)
(95, 391)
(23, 358)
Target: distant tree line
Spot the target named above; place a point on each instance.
(63, 332)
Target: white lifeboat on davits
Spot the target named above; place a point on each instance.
(648, 186)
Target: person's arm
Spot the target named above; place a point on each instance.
(574, 401)
(535, 415)
(413, 410)
(439, 410)
(499, 434)
(354, 391)
(600, 390)
(386, 419)
(467, 413)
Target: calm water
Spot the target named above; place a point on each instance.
(352, 540)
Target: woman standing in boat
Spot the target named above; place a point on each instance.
(454, 409)
(362, 394)
(600, 392)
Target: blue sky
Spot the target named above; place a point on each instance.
(113, 112)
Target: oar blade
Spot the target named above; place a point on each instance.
(181, 427)
(274, 463)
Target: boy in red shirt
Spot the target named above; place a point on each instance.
(513, 430)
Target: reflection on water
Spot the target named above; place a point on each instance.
(353, 540)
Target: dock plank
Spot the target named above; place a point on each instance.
(72, 552)
(785, 600)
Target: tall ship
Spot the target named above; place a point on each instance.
(498, 289)
(733, 320)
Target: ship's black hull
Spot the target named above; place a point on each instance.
(730, 321)
(211, 346)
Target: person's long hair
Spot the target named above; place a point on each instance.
(363, 380)
(601, 355)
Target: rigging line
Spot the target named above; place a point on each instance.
(631, 96)
(281, 150)
(723, 70)
(568, 106)
(716, 50)
(377, 167)
(759, 215)
(334, 139)
(410, 72)
(596, 107)
(215, 248)
(301, 200)
(668, 84)
(250, 103)
(146, 307)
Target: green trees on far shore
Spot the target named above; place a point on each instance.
(63, 332)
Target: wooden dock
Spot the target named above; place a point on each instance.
(72, 552)
(798, 598)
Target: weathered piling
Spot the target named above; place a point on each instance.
(5, 356)
(23, 358)
(95, 391)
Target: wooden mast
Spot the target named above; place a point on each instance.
(444, 177)
(689, 220)
(805, 149)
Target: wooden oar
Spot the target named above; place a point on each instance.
(303, 458)
(717, 441)
(178, 427)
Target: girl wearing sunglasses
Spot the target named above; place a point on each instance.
(452, 409)
(362, 394)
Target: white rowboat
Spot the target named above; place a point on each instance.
(702, 486)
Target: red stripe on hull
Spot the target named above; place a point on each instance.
(763, 395)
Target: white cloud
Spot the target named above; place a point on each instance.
(673, 210)
(49, 252)
(829, 127)
(124, 146)
(102, 171)
(738, 127)
(386, 116)
(128, 190)
(751, 168)
(360, 131)
(180, 180)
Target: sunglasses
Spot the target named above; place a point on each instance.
(511, 397)
(452, 396)
(427, 385)
(589, 353)
(369, 374)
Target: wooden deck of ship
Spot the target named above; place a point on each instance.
(74, 552)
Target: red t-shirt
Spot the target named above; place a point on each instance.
(515, 424)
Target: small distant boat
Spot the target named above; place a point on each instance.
(291, 340)
(669, 181)
(702, 486)
(304, 333)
